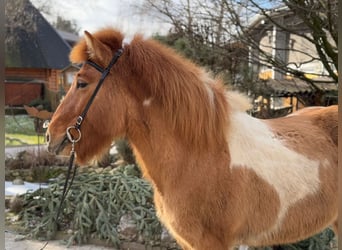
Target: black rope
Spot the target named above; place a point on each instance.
(66, 187)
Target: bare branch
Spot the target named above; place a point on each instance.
(216, 26)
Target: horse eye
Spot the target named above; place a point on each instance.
(81, 85)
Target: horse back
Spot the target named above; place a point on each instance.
(326, 118)
(310, 131)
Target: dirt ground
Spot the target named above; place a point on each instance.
(15, 241)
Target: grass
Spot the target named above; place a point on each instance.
(20, 131)
(22, 139)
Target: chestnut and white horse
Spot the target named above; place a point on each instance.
(220, 177)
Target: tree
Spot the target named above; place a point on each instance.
(58, 21)
(66, 25)
(224, 25)
(16, 21)
(207, 55)
(315, 22)
(199, 26)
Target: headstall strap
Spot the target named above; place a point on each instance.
(105, 73)
(73, 139)
(95, 65)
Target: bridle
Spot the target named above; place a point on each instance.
(104, 72)
(77, 128)
(80, 119)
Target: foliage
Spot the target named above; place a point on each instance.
(20, 130)
(180, 43)
(59, 21)
(93, 207)
(321, 241)
(17, 22)
(66, 25)
(19, 124)
(125, 151)
(216, 59)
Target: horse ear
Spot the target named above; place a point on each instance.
(96, 49)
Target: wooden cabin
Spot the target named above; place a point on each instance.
(35, 55)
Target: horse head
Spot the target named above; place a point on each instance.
(106, 117)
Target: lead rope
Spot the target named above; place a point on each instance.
(66, 188)
(71, 169)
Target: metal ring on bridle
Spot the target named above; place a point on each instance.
(69, 135)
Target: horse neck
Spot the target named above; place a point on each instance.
(166, 158)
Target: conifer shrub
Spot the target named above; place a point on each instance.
(93, 207)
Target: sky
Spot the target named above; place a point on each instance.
(91, 15)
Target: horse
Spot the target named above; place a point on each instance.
(220, 177)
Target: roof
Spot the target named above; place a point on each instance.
(292, 87)
(71, 68)
(31, 42)
(69, 37)
(260, 18)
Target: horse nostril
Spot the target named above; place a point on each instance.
(47, 137)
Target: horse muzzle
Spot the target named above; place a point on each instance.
(58, 147)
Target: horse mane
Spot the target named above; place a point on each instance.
(194, 103)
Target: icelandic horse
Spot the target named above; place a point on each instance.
(220, 177)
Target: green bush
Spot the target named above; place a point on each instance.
(19, 124)
(125, 151)
(93, 207)
(321, 241)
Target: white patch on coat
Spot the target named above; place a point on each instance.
(147, 102)
(253, 145)
(239, 101)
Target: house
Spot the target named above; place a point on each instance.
(35, 55)
(67, 76)
(276, 91)
(70, 38)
